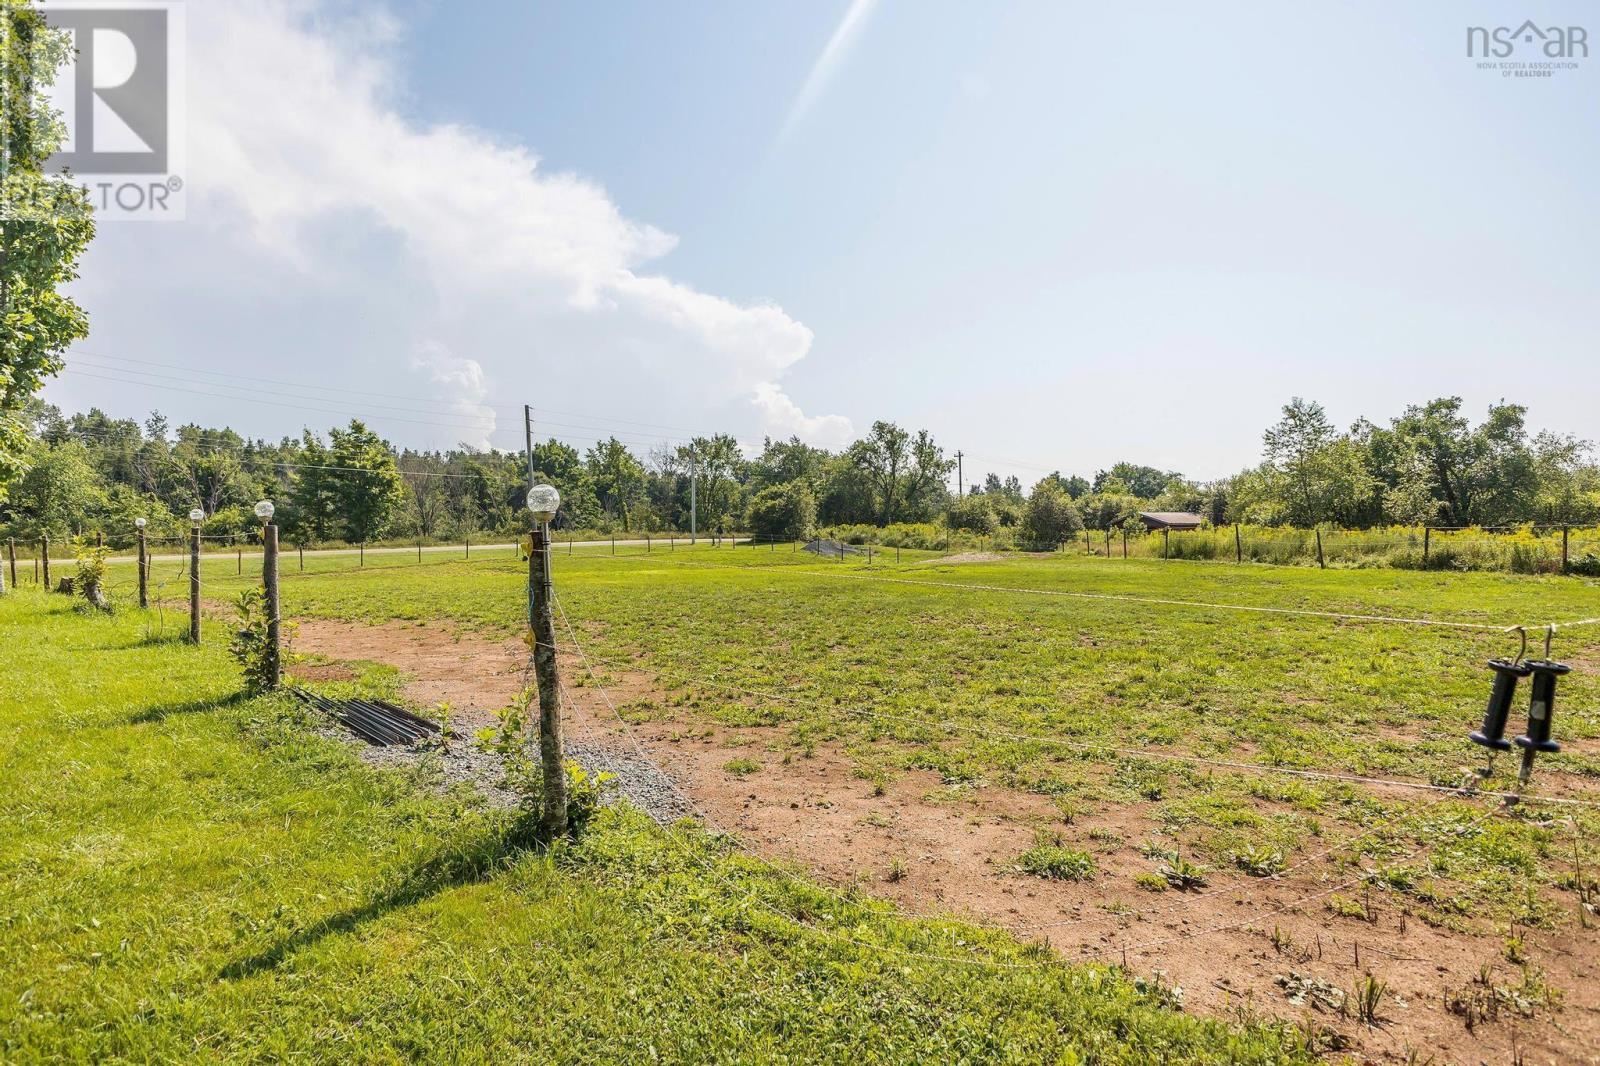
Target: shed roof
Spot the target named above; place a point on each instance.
(1173, 518)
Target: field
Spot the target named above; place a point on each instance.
(1156, 767)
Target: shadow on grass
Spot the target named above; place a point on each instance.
(162, 711)
(470, 862)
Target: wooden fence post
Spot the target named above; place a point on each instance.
(468, 539)
(1427, 535)
(194, 584)
(1166, 542)
(1564, 563)
(11, 550)
(44, 558)
(240, 552)
(144, 572)
(1238, 545)
(1124, 542)
(362, 549)
(269, 586)
(419, 549)
(552, 758)
(1321, 563)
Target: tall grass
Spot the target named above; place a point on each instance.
(1524, 550)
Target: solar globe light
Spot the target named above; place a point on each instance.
(543, 502)
(138, 523)
(264, 510)
(197, 516)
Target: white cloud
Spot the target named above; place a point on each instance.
(784, 419)
(463, 385)
(302, 161)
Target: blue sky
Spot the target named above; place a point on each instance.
(1056, 235)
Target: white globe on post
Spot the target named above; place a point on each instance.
(264, 510)
(543, 502)
(197, 516)
(138, 523)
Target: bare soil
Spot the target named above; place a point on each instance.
(936, 849)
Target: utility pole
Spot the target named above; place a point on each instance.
(960, 483)
(694, 477)
(527, 430)
(543, 501)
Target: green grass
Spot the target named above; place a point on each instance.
(187, 874)
(969, 672)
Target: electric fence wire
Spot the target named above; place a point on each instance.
(1098, 953)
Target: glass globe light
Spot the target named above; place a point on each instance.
(543, 501)
(197, 515)
(264, 510)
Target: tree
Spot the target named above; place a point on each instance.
(1051, 517)
(1482, 476)
(882, 457)
(1145, 482)
(313, 495)
(425, 491)
(59, 493)
(783, 512)
(368, 489)
(927, 486)
(617, 477)
(45, 225)
(1319, 475)
(716, 464)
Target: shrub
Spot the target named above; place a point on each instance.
(974, 514)
(1050, 517)
(91, 575)
(783, 512)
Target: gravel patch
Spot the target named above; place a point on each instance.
(463, 763)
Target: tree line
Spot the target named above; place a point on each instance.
(1431, 465)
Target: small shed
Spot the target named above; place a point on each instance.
(1179, 520)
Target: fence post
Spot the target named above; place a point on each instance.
(897, 555)
(1564, 531)
(361, 548)
(419, 549)
(240, 553)
(11, 550)
(269, 586)
(468, 540)
(1321, 563)
(302, 555)
(1166, 542)
(144, 571)
(553, 818)
(613, 545)
(1124, 541)
(1238, 545)
(194, 584)
(1427, 535)
(44, 558)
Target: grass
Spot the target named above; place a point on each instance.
(187, 874)
(975, 673)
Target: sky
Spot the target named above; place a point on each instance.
(1055, 235)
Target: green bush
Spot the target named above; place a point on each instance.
(1050, 517)
(782, 512)
(973, 514)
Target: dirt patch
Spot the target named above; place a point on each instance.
(964, 557)
(1239, 948)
